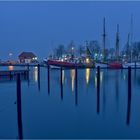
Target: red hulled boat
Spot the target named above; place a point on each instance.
(68, 64)
(115, 65)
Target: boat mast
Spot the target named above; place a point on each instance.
(128, 46)
(87, 44)
(117, 43)
(131, 37)
(104, 40)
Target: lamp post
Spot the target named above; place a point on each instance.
(10, 55)
(72, 52)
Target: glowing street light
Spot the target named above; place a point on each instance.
(87, 60)
(10, 54)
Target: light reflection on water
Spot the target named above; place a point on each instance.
(101, 78)
(72, 73)
(35, 74)
(62, 119)
(10, 67)
(63, 77)
(87, 75)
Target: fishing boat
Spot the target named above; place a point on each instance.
(70, 64)
(115, 65)
(71, 61)
(131, 64)
(129, 61)
(101, 64)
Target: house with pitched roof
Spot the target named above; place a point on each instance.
(27, 57)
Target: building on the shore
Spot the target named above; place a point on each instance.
(27, 57)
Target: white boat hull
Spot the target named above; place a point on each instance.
(132, 65)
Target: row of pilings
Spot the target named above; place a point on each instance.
(19, 97)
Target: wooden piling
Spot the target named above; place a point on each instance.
(25, 75)
(61, 82)
(129, 82)
(28, 68)
(28, 74)
(129, 97)
(38, 66)
(76, 87)
(10, 75)
(98, 89)
(19, 109)
(49, 79)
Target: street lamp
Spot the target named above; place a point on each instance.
(10, 55)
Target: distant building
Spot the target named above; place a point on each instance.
(27, 57)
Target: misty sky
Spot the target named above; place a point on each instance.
(40, 26)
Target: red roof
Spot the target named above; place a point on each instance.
(27, 55)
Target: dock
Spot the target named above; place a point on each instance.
(13, 72)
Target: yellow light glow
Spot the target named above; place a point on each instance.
(95, 80)
(72, 73)
(87, 60)
(35, 74)
(63, 76)
(87, 75)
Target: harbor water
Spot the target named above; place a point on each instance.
(68, 111)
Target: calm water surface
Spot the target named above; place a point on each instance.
(81, 113)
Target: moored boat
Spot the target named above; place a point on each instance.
(115, 65)
(131, 64)
(101, 64)
(67, 64)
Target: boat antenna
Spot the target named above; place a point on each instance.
(117, 42)
(104, 39)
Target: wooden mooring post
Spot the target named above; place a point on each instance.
(129, 81)
(76, 87)
(25, 75)
(98, 89)
(61, 82)
(28, 67)
(10, 75)
(129, 96)
(28, 74)
(48, 79)
(19, 107)
(38, 66)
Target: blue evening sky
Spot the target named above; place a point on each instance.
(41, 26)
